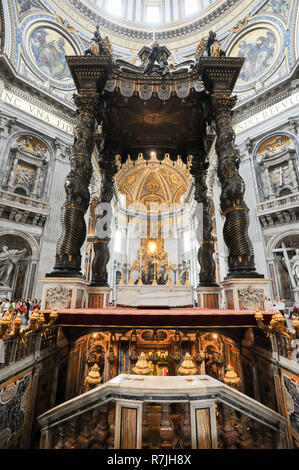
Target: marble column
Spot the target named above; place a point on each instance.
(36, 182)
(235, 231)
(293, 174)
(269, 183)
(68, 254)
(12, 172)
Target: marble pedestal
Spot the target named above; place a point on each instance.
(246, 294)
(98, 297)
(172, 295)
(63, 293)
(208, 297)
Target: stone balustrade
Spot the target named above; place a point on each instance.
(285, 202)
(14, 349)
(135, 412)
(23, 202)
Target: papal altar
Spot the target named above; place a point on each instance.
(143, 295)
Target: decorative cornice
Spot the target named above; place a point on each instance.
(146, 34)
(278, 92)
(9, 75)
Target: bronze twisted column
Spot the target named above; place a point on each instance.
(101, 249)
(68, 255)
(235, 232)
(206, 261)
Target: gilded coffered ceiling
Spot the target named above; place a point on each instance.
(153, 181)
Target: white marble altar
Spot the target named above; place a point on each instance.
(171, 295)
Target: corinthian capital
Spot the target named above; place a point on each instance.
(223, 104)
(86, 103)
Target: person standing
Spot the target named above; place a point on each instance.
(268, 305)
(281, 306)
(295, 312)
(4, 306)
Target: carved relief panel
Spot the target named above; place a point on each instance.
(251, 298)
(28, 166)
(277, 165)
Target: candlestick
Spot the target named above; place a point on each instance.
(169, 279)
(155, 277)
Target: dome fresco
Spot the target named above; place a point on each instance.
(45, 31)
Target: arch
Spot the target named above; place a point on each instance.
(12, 151)
(277, 133)
(12, 139)
(21, 189)
(28, 132)
(35, 249)
(284, 191)
(275, 239)
(19, 267)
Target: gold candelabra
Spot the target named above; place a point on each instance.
(142, 366)
(93, 378)
(152, 253)
(12, 327)
(187, 367)
(277, 325)
(231, 379)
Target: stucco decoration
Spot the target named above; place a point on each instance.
(48, 49)
(261, 48)
(273, 145)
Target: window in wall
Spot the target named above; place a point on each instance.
(114, 7)
(191, 6)
(117, 241)
(153, 14)
(187, 241)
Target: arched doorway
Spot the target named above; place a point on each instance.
(286, 257)
(15, 266)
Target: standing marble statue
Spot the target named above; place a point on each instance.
(8, 259)
(295, 267)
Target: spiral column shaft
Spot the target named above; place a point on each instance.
(68, 251)
(235, 231)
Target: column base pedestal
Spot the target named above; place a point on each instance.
(63, 293)
(65, 274)
(67, 266)
(246, 293)
(98, 296)
(244, 275)
(208, 296)
(99, 284)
